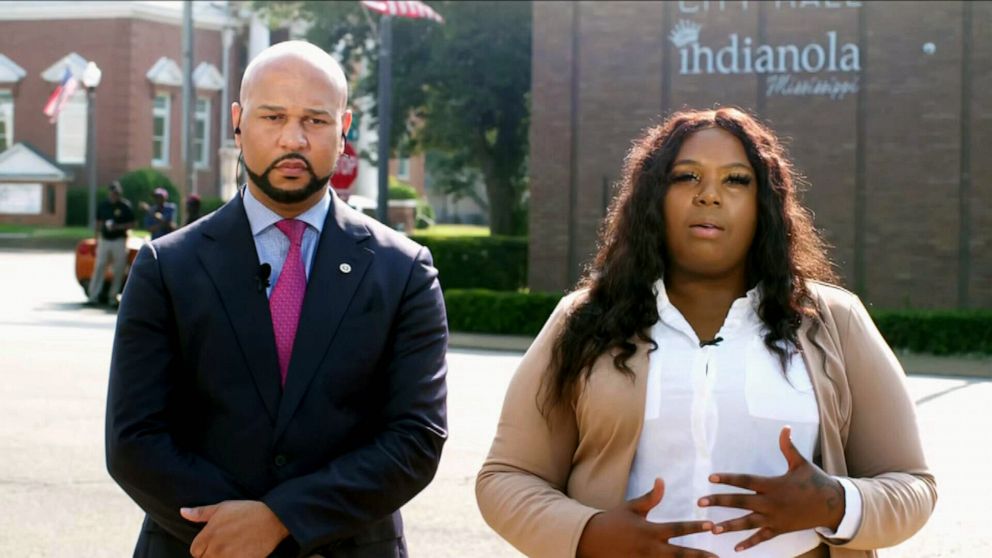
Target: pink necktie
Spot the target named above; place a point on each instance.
(286, 300)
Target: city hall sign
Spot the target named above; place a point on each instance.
(825, 67)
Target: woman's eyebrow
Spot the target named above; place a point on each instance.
(727, 166)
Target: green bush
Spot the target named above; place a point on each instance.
(940, 332)
(138, 185)
(77, 213)
(209, 205)
(498, 263)
(508, 313)
(425, 214)
(401, 191)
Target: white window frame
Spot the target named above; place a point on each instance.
(403, 168)
(166, 115)
(203, 154)
(7, 116)
(71, 125)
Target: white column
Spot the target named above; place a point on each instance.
(258, 36)
(367, 183)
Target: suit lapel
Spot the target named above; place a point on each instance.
(231, 261)
(338, 268)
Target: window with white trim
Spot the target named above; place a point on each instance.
(70, 144)
(201, 132)
(6, 119)
(160, 129)
(403, 168)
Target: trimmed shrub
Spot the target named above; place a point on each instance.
(77, 213)
(940, 332)
(138, 185)
(209, 205)
(508, 313)
(498, 263)
(399, 190)
(425, 214)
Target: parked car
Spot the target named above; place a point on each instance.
(86, 259)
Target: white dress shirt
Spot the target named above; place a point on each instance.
(720, 409)
(272, 245)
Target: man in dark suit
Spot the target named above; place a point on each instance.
(277, 385)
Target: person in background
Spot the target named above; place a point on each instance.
(160, 219)
(114, 217)
(707, 391)
(193, 206)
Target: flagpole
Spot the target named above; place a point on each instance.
(91, 155)
(384, 102)
(188, 184)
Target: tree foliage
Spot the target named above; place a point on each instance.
(462, 88)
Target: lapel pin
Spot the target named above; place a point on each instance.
(345, 268)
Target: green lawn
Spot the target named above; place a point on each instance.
(65, 233)
(453, 230)
(34, 231)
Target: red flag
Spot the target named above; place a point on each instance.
(61, 95)
(410, 8)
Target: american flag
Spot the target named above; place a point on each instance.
(61, 95)
(411, 8)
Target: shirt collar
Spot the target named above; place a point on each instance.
(261, 218)
(743, 310)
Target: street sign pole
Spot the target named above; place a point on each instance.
(385, 111)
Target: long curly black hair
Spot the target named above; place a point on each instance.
(621, 304)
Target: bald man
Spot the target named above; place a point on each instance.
(277, 384)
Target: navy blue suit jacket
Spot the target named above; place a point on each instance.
(196, 415)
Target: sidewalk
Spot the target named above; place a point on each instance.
(912, 363)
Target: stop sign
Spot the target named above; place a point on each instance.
(347, 169)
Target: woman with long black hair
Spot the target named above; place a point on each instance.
(707, 390)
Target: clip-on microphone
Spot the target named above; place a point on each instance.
(262, 276)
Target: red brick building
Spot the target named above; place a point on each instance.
(886, 108)
(138, 106)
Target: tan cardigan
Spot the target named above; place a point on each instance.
(541, 484)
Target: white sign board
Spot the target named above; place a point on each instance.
(21, 199)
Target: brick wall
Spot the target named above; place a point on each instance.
(125, 49)
(623, 73)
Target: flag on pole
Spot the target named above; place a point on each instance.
(411, 8)
(61, 95)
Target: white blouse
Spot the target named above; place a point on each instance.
(720, 408)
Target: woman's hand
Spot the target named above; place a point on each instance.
(625, 531)
(804, 497)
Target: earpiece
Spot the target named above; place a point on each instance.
(237, 131)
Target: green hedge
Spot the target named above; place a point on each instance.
(498, 263)
(399, 190)
(77, 202)
(210, 204)
(939, 332)
(510, 313)
(137, 187)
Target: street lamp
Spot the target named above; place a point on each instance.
(91, 79)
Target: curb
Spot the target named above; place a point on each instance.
(489, 342)
(972, 366)
(979, 366)
(33, 243)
